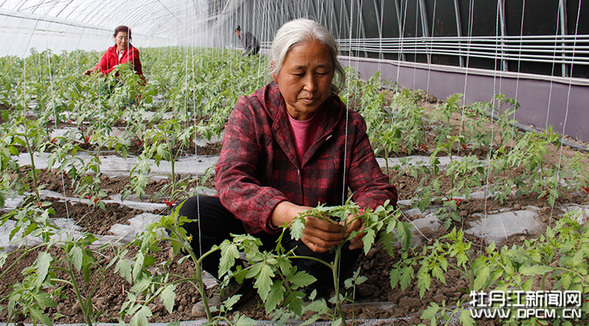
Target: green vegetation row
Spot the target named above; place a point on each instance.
(187, 95)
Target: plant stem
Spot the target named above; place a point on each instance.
(199, 282)
(334, 271)
(86, 305)
(33, 171)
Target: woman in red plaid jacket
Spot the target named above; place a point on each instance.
(289, 147)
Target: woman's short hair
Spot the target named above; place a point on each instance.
(300, 30)
(122, 29)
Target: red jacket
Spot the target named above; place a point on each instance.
(110, 60)
(258, 166)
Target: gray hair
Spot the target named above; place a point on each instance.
(300, 30)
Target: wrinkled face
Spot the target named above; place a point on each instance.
(305, 78)
(122, 41)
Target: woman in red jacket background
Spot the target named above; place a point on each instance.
(121, 52)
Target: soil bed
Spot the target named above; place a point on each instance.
(375, 266)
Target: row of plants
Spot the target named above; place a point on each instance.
(279, 284)
(556, 261)
(194, 101)
(486, 150)
(182, 100)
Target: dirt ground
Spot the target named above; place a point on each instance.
(376, 299)
(373, 296)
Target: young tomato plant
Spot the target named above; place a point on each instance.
(530, 153)
(381, 223)
(40, 283)
(525, 267)
(167, 142)
(29, 134)
(158, 282)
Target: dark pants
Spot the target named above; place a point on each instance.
(253, 51)
(217, 223)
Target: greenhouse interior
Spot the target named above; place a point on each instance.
(362, 162)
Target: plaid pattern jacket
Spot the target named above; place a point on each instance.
(258, 166)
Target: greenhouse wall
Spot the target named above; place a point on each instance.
(544, 100)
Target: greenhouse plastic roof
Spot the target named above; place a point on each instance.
(153, 22)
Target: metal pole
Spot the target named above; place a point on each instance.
(563, 32)
(401, 29)
(458, 28)
(501, 5)
(425, 27)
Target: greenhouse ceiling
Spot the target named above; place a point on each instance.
(157, 22)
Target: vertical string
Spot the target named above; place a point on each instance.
(521, 39)
(196, 152)
(559, 23)
(566, 115)
(433, 34)
(494, 102)
(467, 63)
(402, 36)
(344, 188)
(55, 117)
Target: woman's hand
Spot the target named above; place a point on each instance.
(88, 72)
(319, 235)
(355, 224)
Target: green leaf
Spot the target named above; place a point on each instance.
(423, 283)
(275, 296)
(301, 279)
(431, 311)
(77, 257)
(3, 256)
(229, 254)
(527, 285)
(140, 317)
(231, 301)
(296, 228)
(439, 274)
(141, 285)
(40, 316)
(168, 296)
(482, 276)
(578, 258)
(466, 318)
(138, 265)
(491, 247)
(44, 300)
(240, 320)
(264, 281)
(534, 270)
(404, 233)
(42, 265)
(407, 274)
(123, 267)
